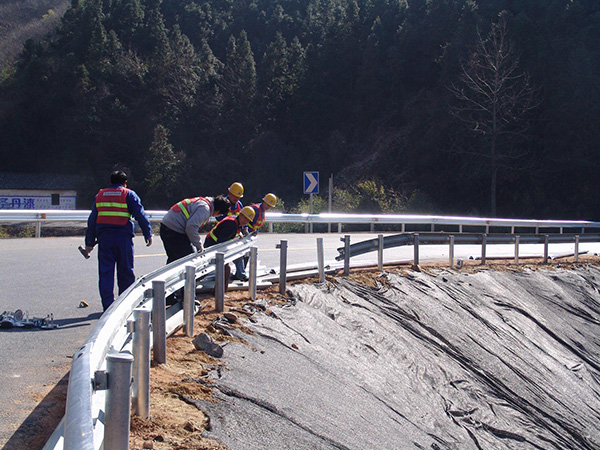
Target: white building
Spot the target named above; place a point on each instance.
(38, 191)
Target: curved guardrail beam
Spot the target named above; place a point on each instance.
(398, 240)
(82, 426)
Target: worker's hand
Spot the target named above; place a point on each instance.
(89, 249)
(149, 241)
(200, 249)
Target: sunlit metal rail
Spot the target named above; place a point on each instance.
(487, 225)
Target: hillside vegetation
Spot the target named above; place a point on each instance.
(26, 19)
(430, 106)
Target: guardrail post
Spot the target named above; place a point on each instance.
(220, 282)
(517, 239)
(372, 228)
(339, 227)
(380, 252)
(189, 300)
(159, 322)
(346, 241)
(416, 249)
(320, 260)
(546, 249)
(451, 251)
(141, 363)
(271, 227)
(483, 247)
(252, 272)
(576, 248)
(282, 266)
(118, 401)
(38, 229)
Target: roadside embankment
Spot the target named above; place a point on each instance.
(437, 358)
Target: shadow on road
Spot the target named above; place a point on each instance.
(37, 428)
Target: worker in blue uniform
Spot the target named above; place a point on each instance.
(110, 226)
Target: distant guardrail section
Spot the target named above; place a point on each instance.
(487, 225)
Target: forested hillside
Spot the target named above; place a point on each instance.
(429, 106)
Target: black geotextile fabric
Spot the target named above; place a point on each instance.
(436, 360)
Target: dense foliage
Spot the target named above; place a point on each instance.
(190, 95)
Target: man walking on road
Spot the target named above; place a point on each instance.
(110, 226)
(180, 227)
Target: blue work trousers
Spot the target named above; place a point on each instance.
(114, 249)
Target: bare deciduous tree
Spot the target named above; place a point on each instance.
(494, 97)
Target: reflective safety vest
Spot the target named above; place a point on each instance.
(212, 234)
(182, 205)
(260, 218)
(111, 204)
(235, 209)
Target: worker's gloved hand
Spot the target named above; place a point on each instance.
(149, 241)
(200, 249)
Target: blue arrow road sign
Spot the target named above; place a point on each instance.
(311, 182)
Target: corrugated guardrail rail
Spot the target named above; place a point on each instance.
(82, 427)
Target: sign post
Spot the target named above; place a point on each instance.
(311, 186)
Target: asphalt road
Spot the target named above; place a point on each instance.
(48, 276)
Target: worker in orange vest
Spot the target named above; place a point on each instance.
(110, 226)
(269, 201)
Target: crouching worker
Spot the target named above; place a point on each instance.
(227, 229)
(269, 201)
(180, 227)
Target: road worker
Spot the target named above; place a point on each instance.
(230, 227)
(234, 194)
(110, 226)
(269, 201)
(180, 227)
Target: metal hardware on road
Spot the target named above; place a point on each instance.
(451, 251)
(517, 239)
(283, 266)
(220, 283)
(141, 363)
(346, 241)
(189, 300)
(253, 263)
(380, 252)
(320, 260)
(118, 401)
(159, 322)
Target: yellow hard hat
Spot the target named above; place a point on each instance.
(237, 189)
(248, 213)
(270, 199)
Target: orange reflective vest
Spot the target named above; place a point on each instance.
(111, 204)
(235, 209)
(259, 219)
(182, 205)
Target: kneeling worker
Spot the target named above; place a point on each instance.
(180, 227)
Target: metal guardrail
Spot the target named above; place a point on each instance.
(51, 215)
(399, 240)
(82, 427)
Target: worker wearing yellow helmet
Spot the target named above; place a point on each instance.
(228, 228)
(269, 201)
(234, 194)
